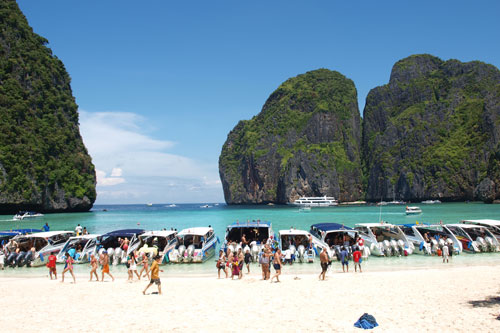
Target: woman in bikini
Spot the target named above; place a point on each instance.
(145, 266)
(221, 263)
(133, 267)
(68, 267)
(277, 265)
(93, 265)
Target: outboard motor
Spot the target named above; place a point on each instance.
(190, 251)
(118, 256)
(366, 252)
(387, 247)
(28, 258)
(11, 258)
(255, 252)
(489, 243)
(474, 246)
(395, 247)
(301, 252)
(337, 250)
(111, 255)
(482, 244)
(401, 246)
(441, 243)
(18, 261)
(182, 249)
(434, 245)
(174, 255)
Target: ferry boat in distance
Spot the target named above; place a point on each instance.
(316, 202)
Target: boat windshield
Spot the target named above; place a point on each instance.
(385, 233)
(187, 240)
(340, 238)
(251, 234)
(458, 231)
(408, 231)
(26, 243)
(433, 233)
(156, 241)
(295, 240)
(478, 232)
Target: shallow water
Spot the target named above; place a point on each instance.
(160, 216)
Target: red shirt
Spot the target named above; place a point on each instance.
(356, 255)
(52, 261)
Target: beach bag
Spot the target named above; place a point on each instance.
(366, 322)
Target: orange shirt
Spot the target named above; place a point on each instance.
(155, 269)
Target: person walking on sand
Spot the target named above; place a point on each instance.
(323, 258)
(105, 265)
(93, 268)
(247, 259)
(68, 267)
(344, 259)
(356, 257)
(221, 263)
(145, 266)
(155, 276)
(51, 265)
(133, 266)
(277, 265)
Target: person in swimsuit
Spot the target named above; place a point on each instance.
(145, 266)
(235, 266)
(51, 265)
(221, 263)
(93, 267)
(323, 258)
(241, 259)
(277, 265)
(248, 256)
(155, 276)
(68, 267)
(133, 266)
(105, 266)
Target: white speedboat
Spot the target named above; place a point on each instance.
(79, 248)
(111, 242)
(156, 242)
(413, 210)
(316, 202)
(45, 243)
(385, 239)
(427, 238)
(336, 236)
(475, 238)
(431, 202)
(26, 215)
(194, 245)
(492, 225)
(297, 242)
(305, 209)
(256, 234)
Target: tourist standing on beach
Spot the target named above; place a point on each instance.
(445, 253)
(155, 276)
(277, 265)
(344, 258)
(235, 266)
(241, 259)
(221, 263)
(145, 266)
(93, 267)
(105, 265)
(248, 257)
(51, 265)
(323, 258)
(132, 267)
(356, 257)
(68, 267)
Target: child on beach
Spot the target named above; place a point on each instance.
(155, 277)
(51, 265)
(93, 265)
(68, 267)
(105, 265)
(356, 256)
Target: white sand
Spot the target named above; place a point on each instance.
(401, 301)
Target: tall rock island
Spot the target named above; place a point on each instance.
(305, 141)
(433, 132)
(44, 165)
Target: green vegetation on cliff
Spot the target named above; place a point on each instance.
(43, 162)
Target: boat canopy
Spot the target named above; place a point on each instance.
(330, 227)
(160, 233)
(293, 232)
(409, 225)
(253, 224)
(124, 233)
(495, 223)
(198, 231)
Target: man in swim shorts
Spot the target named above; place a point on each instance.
(323, 258)
(155, 277)
(344, 259)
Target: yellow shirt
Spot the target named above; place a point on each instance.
(155, 270)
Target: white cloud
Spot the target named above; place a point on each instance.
(140, 168)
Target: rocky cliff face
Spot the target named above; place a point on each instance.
(305, 141)
(433, 132)
(44, 165)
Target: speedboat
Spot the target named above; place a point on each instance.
(431, 202)
(256, 234)
(413, 210)
(385, 239)
(492, 225)
(157, 242)
(305, 209)
(437, 237)
(79, 248)
(44, 243)
(26, 215)
(315, 202)
(110, 242)
(6, 235)
(475, 238)
(194, 245)
(335, 236)
(297, 242)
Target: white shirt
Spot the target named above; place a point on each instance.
(79, 229)
(288, 254)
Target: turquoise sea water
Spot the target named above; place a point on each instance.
(111, 217)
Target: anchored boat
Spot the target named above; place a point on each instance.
(385, 239)
(194, 245)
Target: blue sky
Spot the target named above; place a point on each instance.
(161, 83)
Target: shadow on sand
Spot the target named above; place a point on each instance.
(489, 302)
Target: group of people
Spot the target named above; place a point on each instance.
(445, 251)
(233, 263)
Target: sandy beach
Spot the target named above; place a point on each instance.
(447, 299)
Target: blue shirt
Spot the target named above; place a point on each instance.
(343, 255)
(46, 228)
